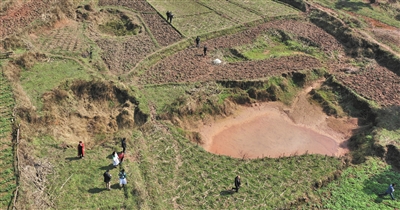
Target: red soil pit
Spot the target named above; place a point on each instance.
(274, 130)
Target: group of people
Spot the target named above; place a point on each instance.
(121, 175)
(198, 45)
(117, 160)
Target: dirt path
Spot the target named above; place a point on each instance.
(274, 130)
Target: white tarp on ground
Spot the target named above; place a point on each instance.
(217, 61)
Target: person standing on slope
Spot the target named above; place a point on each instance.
(197, 41)
(122, 178)
(123, 144)
(237, 183)
(107, 179)
(81, 150)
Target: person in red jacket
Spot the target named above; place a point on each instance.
(121, 156)
(81, 149)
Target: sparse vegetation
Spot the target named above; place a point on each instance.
(121, 25)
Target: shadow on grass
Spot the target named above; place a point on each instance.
(115, 186)
(96, 190)
(226, 192)
(72, 158)
(109, 167)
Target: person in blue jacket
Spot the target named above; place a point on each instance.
(389, 191)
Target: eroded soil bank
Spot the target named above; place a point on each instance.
(274, 130)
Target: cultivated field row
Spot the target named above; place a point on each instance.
(7, 176)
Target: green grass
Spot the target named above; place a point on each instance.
(267, 8)
(231, 11)
(358, 187)
(192, 18)
(120, 27)
(8, 179)
(270, 45)
(161, 95)
(197, 97)
(86, 181)
(202, 24)
(180, 9)
(46, 76)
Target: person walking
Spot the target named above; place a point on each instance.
(81, 150)
(168, 15)
(123, 144)
(115, 159)
(205, 50)
(237, 183)
(107, 179)
(122, 178)
(197, 41)
(389, 191)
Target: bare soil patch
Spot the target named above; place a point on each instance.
(274, 130)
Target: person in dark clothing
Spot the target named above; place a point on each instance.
(123, 144)
(107, 179)
(205, 50)
(237, 183)
(197, 41)
(168, 15)
(81, 149)
(389, 191)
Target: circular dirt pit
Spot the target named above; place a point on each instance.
(274, 130)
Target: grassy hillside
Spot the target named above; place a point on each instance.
(67, 80)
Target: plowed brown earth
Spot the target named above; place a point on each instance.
(162, 31)
(120, 56)
(137, 5)
(18, 18)
(189, 65)
(375, 83)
